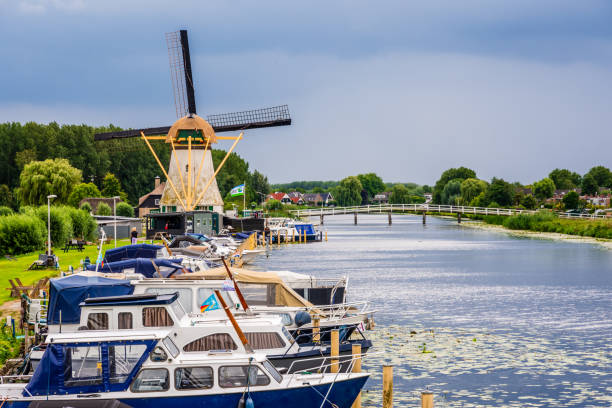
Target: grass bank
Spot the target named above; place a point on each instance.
(550, 222)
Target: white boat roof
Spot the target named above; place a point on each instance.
(220, 356)
(86, 336)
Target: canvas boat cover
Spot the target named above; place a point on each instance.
(143, 266)
(285, 296)
(66, 293)
(131, 251)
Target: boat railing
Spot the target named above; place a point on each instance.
(344, 336)
(340, 310)
(11, 379)
(325, 365)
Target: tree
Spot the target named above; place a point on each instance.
(7, 198)
(348, 193)
(111, 186)
(86, 207)
(125, 210)
(451, 192)
(371, 183)
(461, 173)
(544, 188)
(589, 185)
(399, 195)
(42, 178)
(104, 209)
(565, 179)
(260, 186)
(81, 191)
(500, 192)
(602, 176)
(571, 200)
(529, 202)
(470, 188)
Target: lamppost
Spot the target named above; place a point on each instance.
(115, 219)
(49, 198)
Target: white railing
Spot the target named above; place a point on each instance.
(436, 208)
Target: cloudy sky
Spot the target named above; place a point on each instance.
(405, 89)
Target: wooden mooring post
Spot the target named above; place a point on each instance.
(387, 386)
(459, 218)
(424, 217)
(427, 399)
(316, 331)
(356, 351)
(335, 351)
(390, 222)
(355, 217)
(322, 219)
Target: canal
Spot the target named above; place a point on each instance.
(478, 317)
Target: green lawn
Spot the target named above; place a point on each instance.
(18, 268)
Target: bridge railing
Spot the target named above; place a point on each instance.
(439, 208)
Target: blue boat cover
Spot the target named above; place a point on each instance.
(309, 228)
(243, 235)
(142, 266)
(131, 251)
(66, 293)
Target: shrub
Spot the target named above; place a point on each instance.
(61, 224)
(274, 205)
(104, 209)
(21, 233)
(86, 207)
(125, 210)
(5, 211)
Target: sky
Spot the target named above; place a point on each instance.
(405, 89)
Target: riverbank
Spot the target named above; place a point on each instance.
(555, 236)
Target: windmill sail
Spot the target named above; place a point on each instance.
(180, 73)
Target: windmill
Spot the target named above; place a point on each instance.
(191, 177)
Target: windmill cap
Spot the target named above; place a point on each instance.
(193, 122)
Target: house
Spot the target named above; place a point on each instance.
(279, 196)
(598, 200)
(294, 194)
(559, 194)
(428, 197)
(150, 201)
(297, 200)
(94, 202)
(313, 199)
(327, 198)
(382, 198)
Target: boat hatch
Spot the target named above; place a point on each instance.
(76, 368)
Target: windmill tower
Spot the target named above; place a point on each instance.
(191, 176)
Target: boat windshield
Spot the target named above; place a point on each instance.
(174, 351)
(272, 370)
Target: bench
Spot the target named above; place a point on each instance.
(74, 244)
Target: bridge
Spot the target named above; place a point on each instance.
(426, 208)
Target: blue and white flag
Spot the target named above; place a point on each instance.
(228, 286)
(237, 191)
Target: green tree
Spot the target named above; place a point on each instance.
(565, 179)
(260, 184)
(589, 185)
(86, 207)
(571, 200)
(529, 202)
(399, 195)
(7, 198)
(111, 186)
(461, 173)
(451, 192)
(104, 209)
(125, 210)
(81, 191)
(479, 201)
(602, 176)
(348, 193)
(42, 178)
(499, 192)
(274, 205)
(371, 183)
(544, 188)
(470, 188)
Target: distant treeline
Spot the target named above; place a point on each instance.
(128, 159)
(305, 185)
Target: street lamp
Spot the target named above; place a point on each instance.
(115, 217)
(49, 198)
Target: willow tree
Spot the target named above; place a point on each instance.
(42, 178)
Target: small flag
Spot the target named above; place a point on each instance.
(209, 304)
(228, 286)
(237, 191)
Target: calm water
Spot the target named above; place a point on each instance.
(480, 318)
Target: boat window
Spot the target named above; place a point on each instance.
(184, 295)
(83, 366)
(193, 378)
(122, 359)
(158, 355)
(156, 317)
(171, 346)
(286, 319)
(97, 321)
(151, 379)
(273, 371)
(124, 321)
(178, 309)
(264, 340)
(236, 376)
(288, 335)
(217, 341)
(205, 293)
(259, 294)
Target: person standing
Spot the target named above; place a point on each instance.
(134, 236)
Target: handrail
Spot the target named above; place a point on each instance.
(322, 366)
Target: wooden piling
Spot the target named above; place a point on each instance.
(305, 235)
(325, 235)
(387, 386)
(390, 218)
(356, 351)
(459, 218)
(293, 235)
(321, 219)
(424, 217)
(355, 218)
(316, 330)
(335, 351)
(427, 399)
